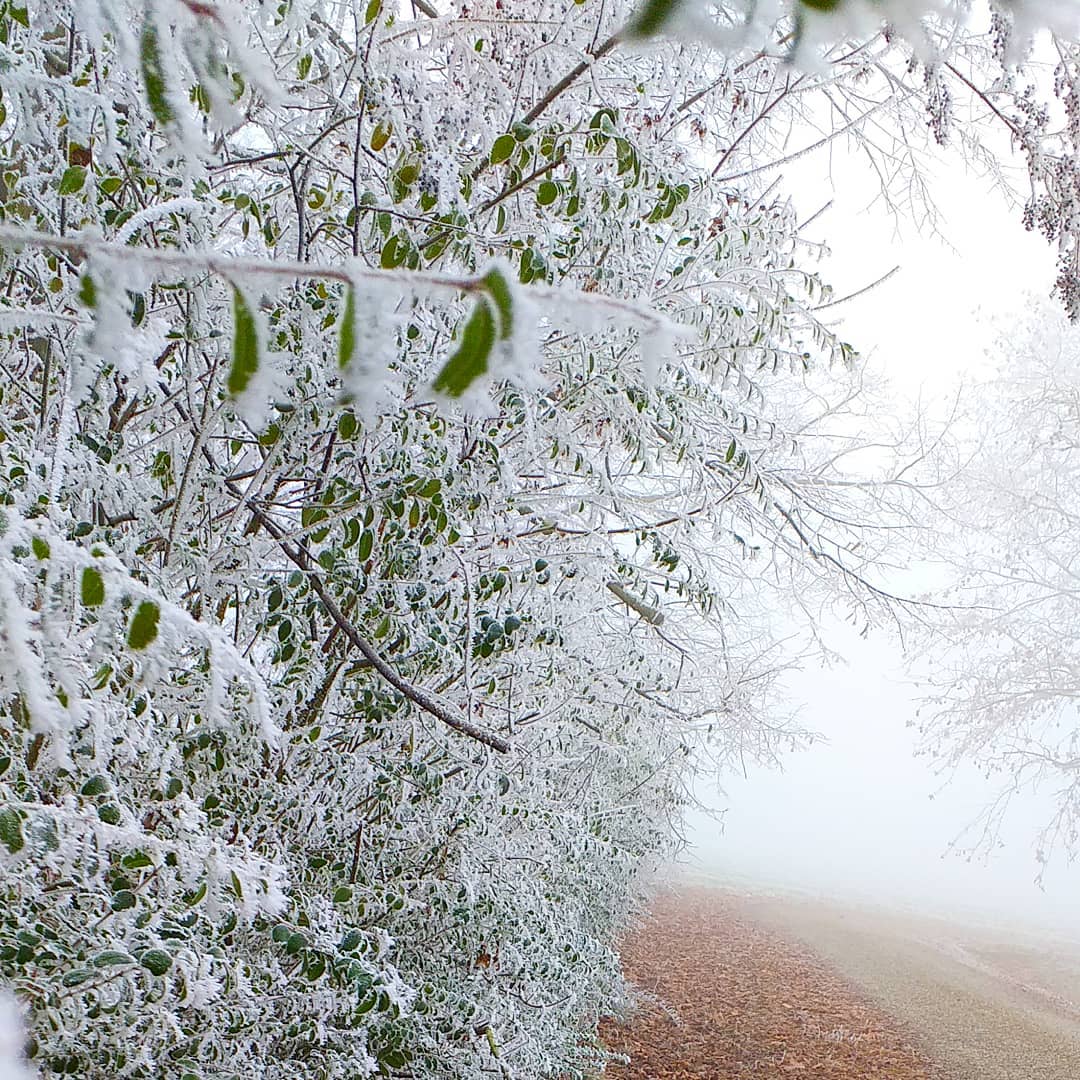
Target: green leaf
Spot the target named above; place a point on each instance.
(381, 135)
(40, 548)
(144, 625)
(76, 977)
(651, 18)
(11, 829)
(502, 148)
(347, 425)
(547, 193)
(123, 900)
(342, 894)
(372, 12)
(347, 338)
(367, 542)
(156, 961)
(73, 179)
(470, 361)
(92, 588)
(153, 74)
(245, 361)
(393, 253)
(496, 284)
(96, 785)
(730, 451)
(111, 958)
(87, 293)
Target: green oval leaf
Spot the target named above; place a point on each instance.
(144, 625)
(156, 961)
(92, 588)
(502, 148)
(393, 253)
(87, 293)
(547, 193)
(72, 180)
(96, 785)
(123, 900)
(347, 425)
(381, 135)
(367, 542)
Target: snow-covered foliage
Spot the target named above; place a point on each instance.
(393, 410)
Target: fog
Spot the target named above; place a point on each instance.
(858, 814)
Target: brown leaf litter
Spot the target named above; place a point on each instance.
(722, 998)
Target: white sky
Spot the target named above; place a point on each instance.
(856, 814)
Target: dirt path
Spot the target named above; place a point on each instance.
(729, 999)
(989, 1004)
(740, 985)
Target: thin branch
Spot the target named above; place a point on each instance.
(230, 268)
(420, 697)
(569, 79)
(859, 292)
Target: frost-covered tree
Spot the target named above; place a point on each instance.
(411, 419)
(1005, 672)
